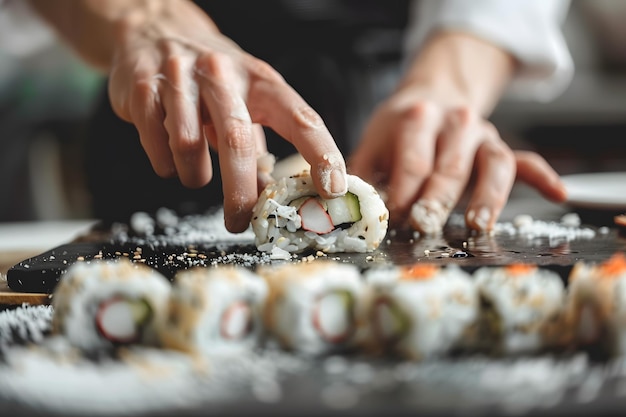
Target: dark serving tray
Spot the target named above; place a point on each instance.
(456, 245)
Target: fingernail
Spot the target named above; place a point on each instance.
(429, 217)
(480, 218)
(338, 184)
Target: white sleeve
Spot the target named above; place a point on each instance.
(22, 31)
(530, 30)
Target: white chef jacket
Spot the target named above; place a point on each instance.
(528, 29)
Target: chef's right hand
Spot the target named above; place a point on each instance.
(185, 86)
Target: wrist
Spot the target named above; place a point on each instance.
(462, 68)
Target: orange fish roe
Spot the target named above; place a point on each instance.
(419, 271)
(520, 269)
(613, 266)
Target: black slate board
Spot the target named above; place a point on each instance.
(456, 245)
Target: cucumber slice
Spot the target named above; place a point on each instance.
(141, 310)
(391, 324)
(344, 209)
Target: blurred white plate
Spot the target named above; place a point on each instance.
(599, 190)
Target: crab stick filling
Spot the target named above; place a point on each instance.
(236, 321)
(121, 319)
(333, 316)
(323, 216)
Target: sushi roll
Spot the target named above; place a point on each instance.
(214, 308)
(420, 311)
(103, 304)
(596, 305)
(314, 308)
(521, 307)
(291, 215)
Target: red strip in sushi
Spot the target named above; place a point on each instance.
(333, 316)
(236, 322)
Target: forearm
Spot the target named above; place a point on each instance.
(467, 70)
(94, 28)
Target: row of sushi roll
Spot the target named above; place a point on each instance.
(415, 312)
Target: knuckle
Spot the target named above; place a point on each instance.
(143, 93)
(238, 137)
(263, 70)
(213, 64)
(306, 117)
(463, 116)
(183, 143)
(173, 64)
(421, 110)
(500, 152)
(144, 86)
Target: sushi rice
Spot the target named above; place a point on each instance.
(290, 215)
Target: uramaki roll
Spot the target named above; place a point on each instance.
(521, 308)
(214, 308)
(101, 304)
(596, 304)
(420, 311)
(291, 215)
(314, 307)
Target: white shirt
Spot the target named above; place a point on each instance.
(528, 29)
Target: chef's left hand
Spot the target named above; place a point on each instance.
(425, 143)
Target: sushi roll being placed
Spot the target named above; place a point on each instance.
(420, 311)
(291, 216)
(314, 307)
(102, 304)
(521, 309)
(214, 308)
(596, 304)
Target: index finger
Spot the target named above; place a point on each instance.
(273, 103)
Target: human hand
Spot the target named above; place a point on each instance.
(423, 149)
(185, 86)
(430, 138)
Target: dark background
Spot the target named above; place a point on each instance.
(48, 100)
